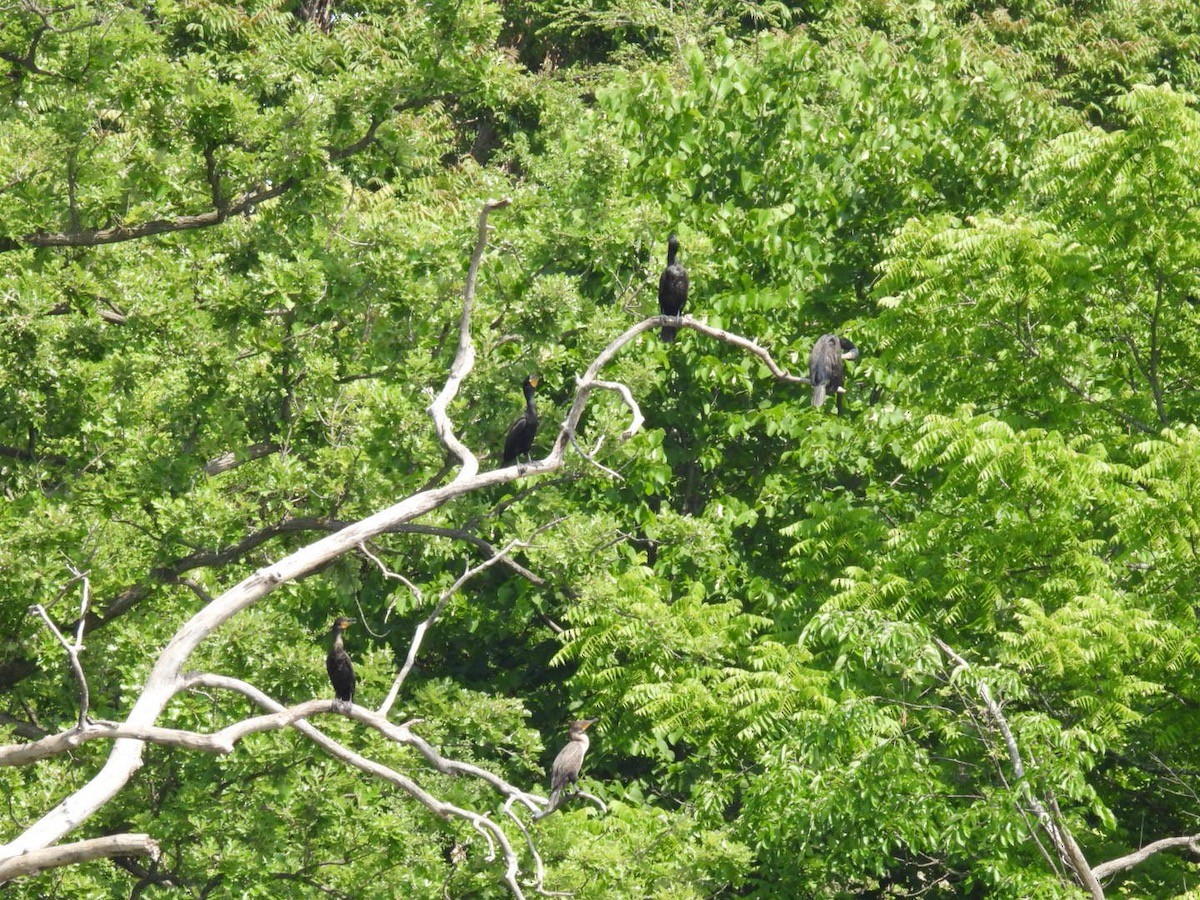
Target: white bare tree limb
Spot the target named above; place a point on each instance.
(81, 851)
(461, 535)
(73, 650)
(492, 833)
(634, 410)
(296, 716)
(166, 677)
(1105, 869)
(539, 867)
(1064, 842)
(427, 623)
(589, 380)
(464, 358)
(744, 343)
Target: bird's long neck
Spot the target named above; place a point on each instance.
(337, 639)
(530, 409)
(672, 251)
(581, 739)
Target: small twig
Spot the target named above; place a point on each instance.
(423, 627)
(539, 878)
(396, 576)
(588, 456)
(83, 606)
(73, 650)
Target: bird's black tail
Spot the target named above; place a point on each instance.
(668, 333)
(818, 394)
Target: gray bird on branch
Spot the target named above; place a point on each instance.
(827, 369)
(565, 771)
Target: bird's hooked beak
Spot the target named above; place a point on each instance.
(535, 380)
(850, 354)
(588, 723)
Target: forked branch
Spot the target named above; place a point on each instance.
(424, 626)
(488, 829)
(1064, 842)
(166, 678)
(73, 650)
(464, 358)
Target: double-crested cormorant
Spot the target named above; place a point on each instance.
(567, 764)
(521, 432)
(672, 288)
(338, 665)
(826, 369)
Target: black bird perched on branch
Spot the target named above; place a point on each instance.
(567, 764)
(338, 665)
(826, 369)
(521, 432)
(672, 288)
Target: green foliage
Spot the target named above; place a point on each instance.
(752, 609)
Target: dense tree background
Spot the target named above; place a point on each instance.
(232, 241)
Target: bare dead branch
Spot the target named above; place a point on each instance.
(539, 867)
(424, 626)
(166, 679)
(231, 459)
(56, 744)
(635, 411)
(224, 742)
(737, 341)
(464, 358)
(491, 832)
(73, 650)
(1054, 826)
(81, 851)
(564, 797)
(589, 381)
(1191, 841)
